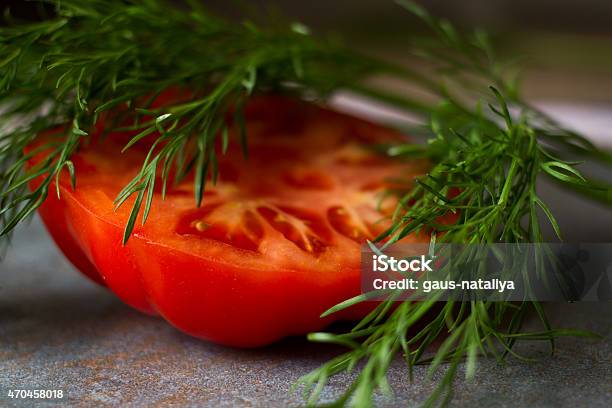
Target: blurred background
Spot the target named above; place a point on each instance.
(565, 46)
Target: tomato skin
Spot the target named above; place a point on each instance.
(218, 294)
(197, 297)
(115, 262)
(234, 306)
(94, 247)
(54, 215)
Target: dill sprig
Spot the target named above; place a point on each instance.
(113, 55)
(493, 159)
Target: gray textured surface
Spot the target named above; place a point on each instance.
(58, 330)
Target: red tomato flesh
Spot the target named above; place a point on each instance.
(275, 243)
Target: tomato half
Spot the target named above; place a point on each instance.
(275, 243)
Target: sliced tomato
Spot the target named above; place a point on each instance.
(275, 243)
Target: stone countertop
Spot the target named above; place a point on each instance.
(60, 331)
